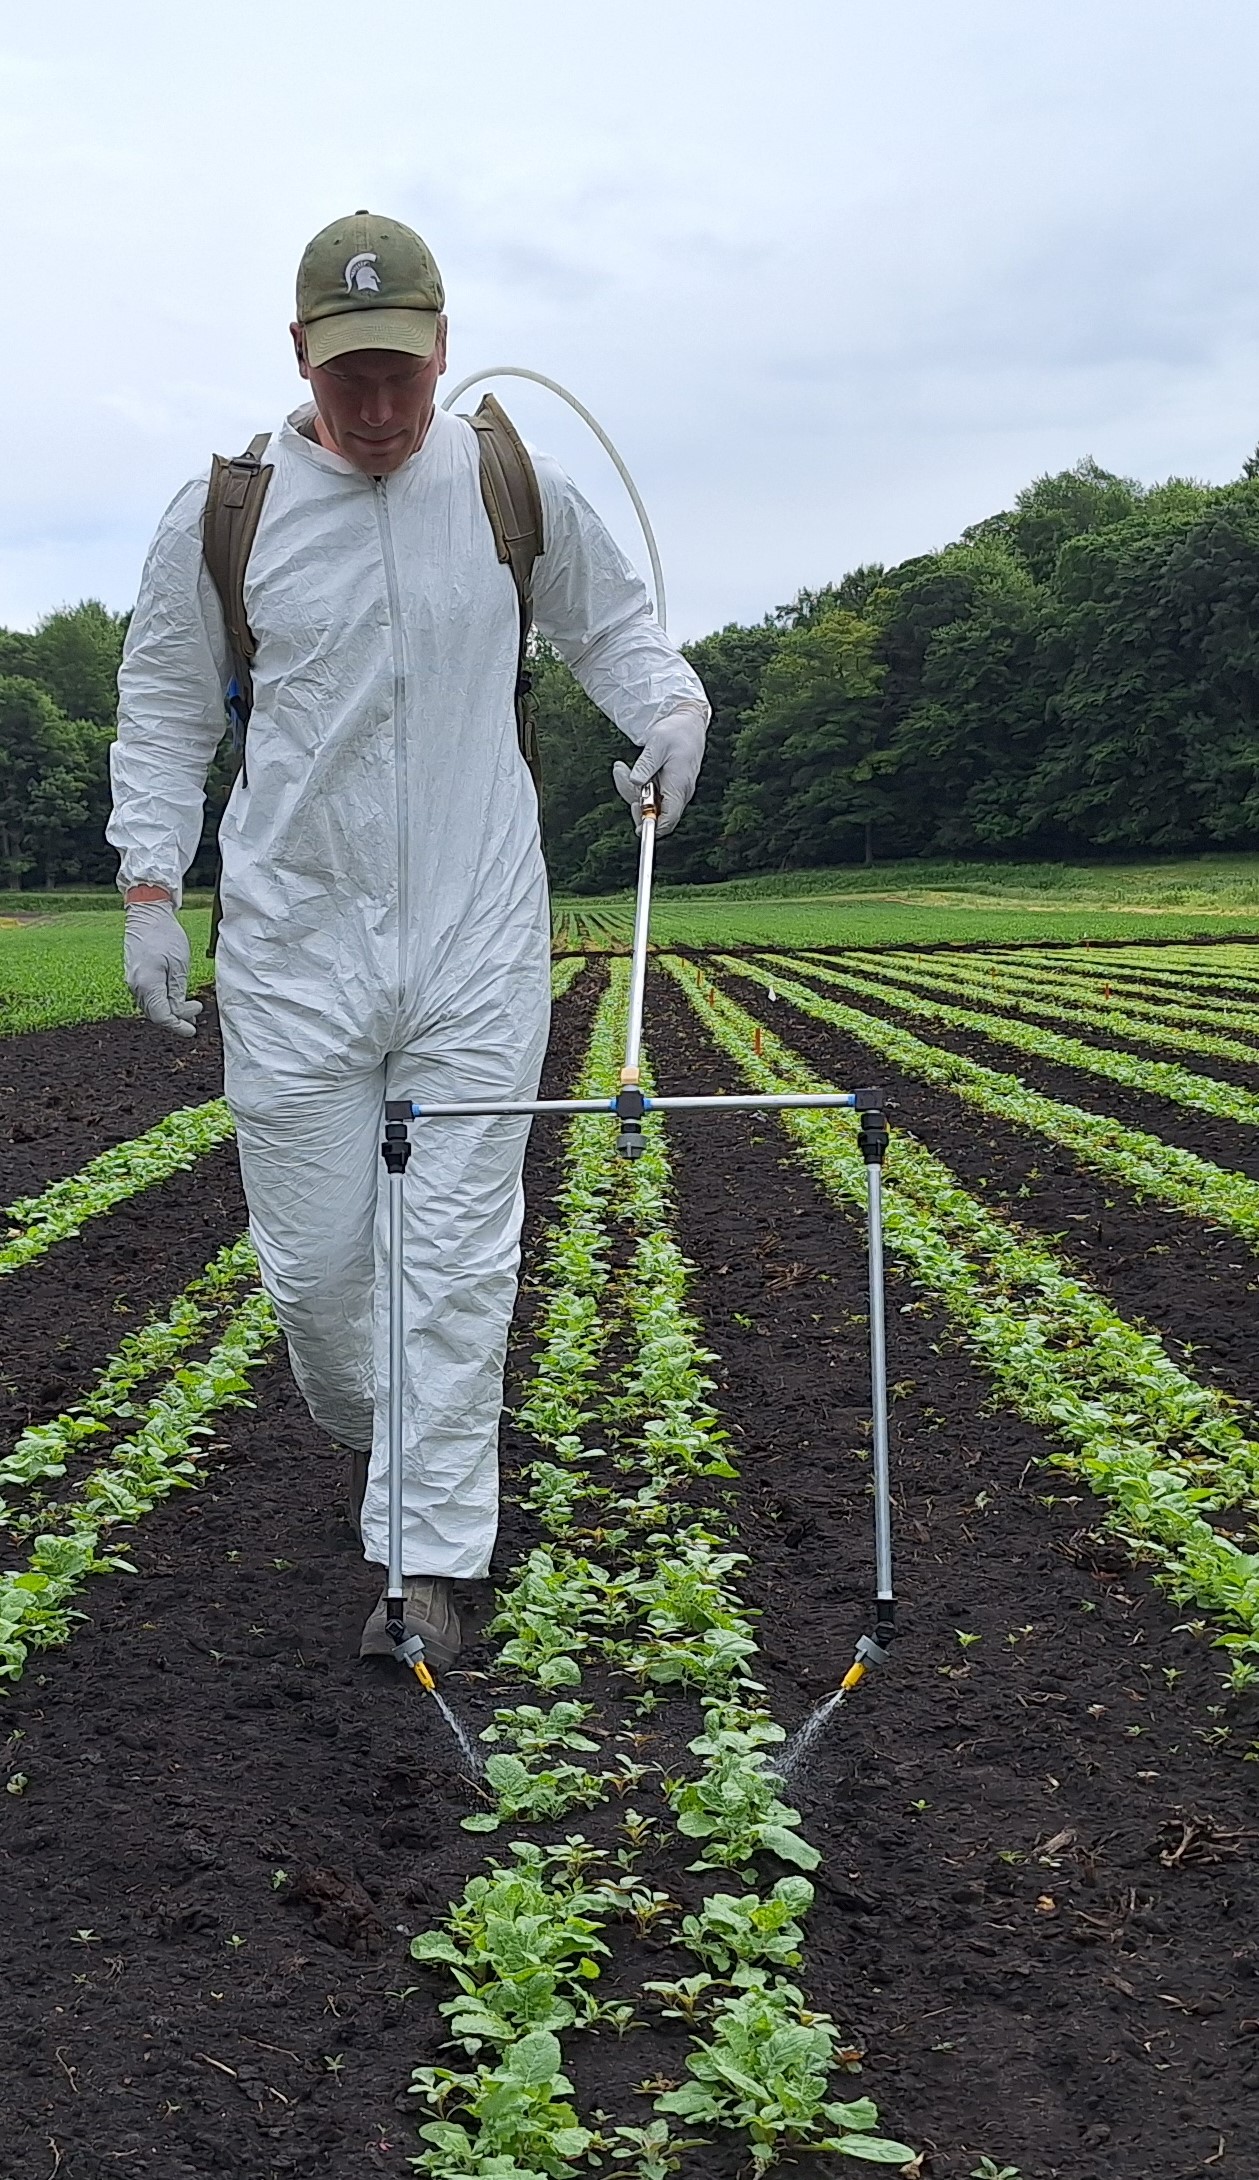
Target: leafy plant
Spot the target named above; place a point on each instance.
(733, 1933)
(521, 1947)
(522, 2127)
(533, 1795)
(172, 1145)
(1161, 1448)
(764, 2070)
(143, 1469)
(531, 1731)
(733, 1809)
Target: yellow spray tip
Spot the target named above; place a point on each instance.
(852, 1676)
(424, 1677)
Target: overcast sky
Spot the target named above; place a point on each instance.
(837, 279)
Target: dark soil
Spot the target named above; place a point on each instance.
(67, 1094)
(1190, 1280)
(1040, 1888)
(209, 1727)
(64, 1314)
(1229, 1143)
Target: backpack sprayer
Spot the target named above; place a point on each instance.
(629, 1108)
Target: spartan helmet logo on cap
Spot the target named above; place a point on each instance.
(361, 277)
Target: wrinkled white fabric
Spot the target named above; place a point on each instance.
(385, 915)
(155, 961)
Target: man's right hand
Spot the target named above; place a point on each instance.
(155, 957)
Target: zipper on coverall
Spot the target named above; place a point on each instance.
(399, 727)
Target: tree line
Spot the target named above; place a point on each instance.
(1075, 676)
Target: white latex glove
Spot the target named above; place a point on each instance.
(671, 755)
(155, 958)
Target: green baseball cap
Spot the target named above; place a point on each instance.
(368, 282)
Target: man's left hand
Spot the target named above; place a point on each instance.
(671, 755)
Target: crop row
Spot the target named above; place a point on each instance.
(1070, 1002)
(1223, 968)
(35, 1223)
(1167, 1010)
(1162, 1078)
(634, 1579)
(1162, 1452)
(160, 1454)
(175, 1143)
(1142, 1162)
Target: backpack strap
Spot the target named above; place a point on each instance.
(509, 488)
(229, 524)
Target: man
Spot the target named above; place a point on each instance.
(386, 928)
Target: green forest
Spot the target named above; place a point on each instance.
(1077, 676)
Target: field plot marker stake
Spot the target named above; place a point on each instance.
(629, 1108)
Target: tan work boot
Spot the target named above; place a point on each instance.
(429, 1612)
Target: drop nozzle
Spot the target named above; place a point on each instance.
(407, 1649)
(873, 1649)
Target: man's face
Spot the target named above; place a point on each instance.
(376, 403)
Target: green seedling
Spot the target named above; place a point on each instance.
(987, 2170)
(533, 1796)
(574, 1856)
(278, 1879)
(732, 1933)
(966, 1640)
(656, 2153)
(517, 2112)
(763, 2072)
(733, 1808)
(531, 1731)
(644, 1907)
(17, 1784)
(686, 2000)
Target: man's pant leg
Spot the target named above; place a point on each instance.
(310, 1161)
(463, 1209)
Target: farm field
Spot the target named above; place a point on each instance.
(60, 955)
(999, 1923)
(935, 904)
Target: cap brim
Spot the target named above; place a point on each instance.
(409, 332)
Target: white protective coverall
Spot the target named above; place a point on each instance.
(386, 928)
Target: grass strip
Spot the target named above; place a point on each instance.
(1161, 1078)
(1158, 1449)
(37, 1222)
(1144, 1163)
